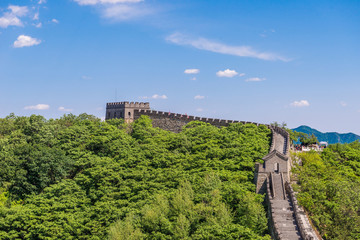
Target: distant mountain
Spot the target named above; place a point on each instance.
(330, 137)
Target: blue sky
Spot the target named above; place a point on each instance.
(288, 61)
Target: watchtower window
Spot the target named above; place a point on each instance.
(121, 114)
(129, 113)
(276, 167)
(264, 165)
(114, 114)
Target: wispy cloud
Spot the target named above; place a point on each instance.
(18, 10)
(122, 12)
(192, 71)
(63, 109)
(199, 109)
(198, 97)
(11, 18)
(38, 107)
(301, 103)
(94, 2)
(155, 96)
(36, 16)
(55, 20)
(343, 104)
(227, 73)
(255, 79)
(41, 1)
(26, 41)
(213, 46)
(265, 33)
(119, 10)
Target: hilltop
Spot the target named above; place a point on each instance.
(330, 137)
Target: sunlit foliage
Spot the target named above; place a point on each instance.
(329, 185)
(80, 178)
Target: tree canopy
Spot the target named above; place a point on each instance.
(329, 189)
(77, 177)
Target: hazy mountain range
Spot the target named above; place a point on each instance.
(330, 137)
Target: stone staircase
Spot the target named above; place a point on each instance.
(284, 219)
(287, 219)
(278, 188)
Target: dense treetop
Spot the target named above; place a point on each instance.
(329, 189)
(80, 178)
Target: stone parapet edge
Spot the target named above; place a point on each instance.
(307, 233)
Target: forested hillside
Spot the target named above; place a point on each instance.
(80, 178)
(329, 185)
(330, 137)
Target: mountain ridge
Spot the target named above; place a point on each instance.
(330, 137)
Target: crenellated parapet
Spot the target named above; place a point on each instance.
(302, 220)
(175, 121)
(128, 104)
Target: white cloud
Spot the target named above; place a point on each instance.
(11, 18)
(301, 103)
(124, 12)
(199, 109)
(241, 74)
(343, 104)
(227, 73)
(255, 79)
(119, 10)
(212, 46)
(39, 25)
(55, 20)
(63, 109)
(94, 2)
(41, 1)
(36, 16)
(197, 97)
(192, 71)
(18, 11)
(155, 96)
(26, 41)
(38, 107)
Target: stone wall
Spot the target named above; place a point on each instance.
(286, 136)
(306, 231)
(174, 122)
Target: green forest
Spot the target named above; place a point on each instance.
(78, 177)
(329, 189)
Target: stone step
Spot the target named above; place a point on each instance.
(286, 222)
(287, 216)
(290, 236)
(287, 227)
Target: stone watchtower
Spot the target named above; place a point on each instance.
(124, 110)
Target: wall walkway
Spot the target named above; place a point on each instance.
(288, 221)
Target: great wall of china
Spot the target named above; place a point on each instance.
(287, 220)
